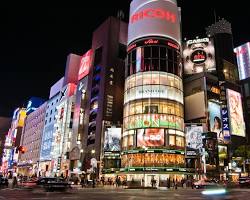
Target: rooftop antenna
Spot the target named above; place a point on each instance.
(120, 14)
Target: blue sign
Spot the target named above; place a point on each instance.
(33, 104)
(225, 123)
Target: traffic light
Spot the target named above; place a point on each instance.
(22, 149)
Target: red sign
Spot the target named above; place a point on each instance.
(173, 45)
(85, 64)
(154, 13)
(151, 41)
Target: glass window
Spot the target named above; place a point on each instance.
(171, 140)
(138, 107)
(155, 52)
(133, 55)
(155, 78)
(147, 79)
(163, 53)
(163, 65)
(170, 54)
(147, 53)
(155, 65)
(139, 79)
(170, 67)
(163, 79)
(147, 64)
(180, 141)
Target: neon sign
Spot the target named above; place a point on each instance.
(151, 41)
(150, 13)
(85, 64)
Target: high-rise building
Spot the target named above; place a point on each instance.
(243, 61)
(105, 98)
(212, 94)
(28, 162)
(45, 165)
(153, 124)
(12, 141)
(4, 127)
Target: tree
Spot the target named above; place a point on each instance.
(243, 151)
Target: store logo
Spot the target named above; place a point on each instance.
(152, 137)
(202, 40)
(151, 41)
(152, 13)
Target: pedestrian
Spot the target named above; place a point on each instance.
(93, 183)
(14, 183)
(116, 181)
(82, 181)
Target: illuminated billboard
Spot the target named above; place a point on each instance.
(215, 122)
(237, 124)
(150, 137)
(154, 18)
(194, 136)
(112, 141)
(153, 91)
(153, 121)
(85, 64)
(199, 56)
(243, 60)
(222, 150)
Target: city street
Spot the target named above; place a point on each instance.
(117, 194)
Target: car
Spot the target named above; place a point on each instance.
(53, 183)
(4, 182)
(205, 184)
(244, 182)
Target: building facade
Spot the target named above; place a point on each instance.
(153, 124)
(12, 142)
(105, 98)
(4, 127)
(28, 162)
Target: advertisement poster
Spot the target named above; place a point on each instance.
(112, 140)
(194, 137)
(237, 123)
(215, 121)
(199, 56)
(155, 121)
(222, 154)
(150, 137)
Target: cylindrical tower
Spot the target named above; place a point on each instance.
(153, 139)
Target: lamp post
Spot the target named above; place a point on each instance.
(144, 168)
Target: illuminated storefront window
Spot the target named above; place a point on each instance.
(153, 160)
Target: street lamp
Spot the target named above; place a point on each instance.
(144, 168)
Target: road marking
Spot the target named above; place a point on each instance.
(40, 198)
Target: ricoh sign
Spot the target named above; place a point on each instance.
(154, 18)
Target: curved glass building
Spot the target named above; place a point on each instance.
(153, 140)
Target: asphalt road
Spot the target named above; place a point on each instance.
(117, 194)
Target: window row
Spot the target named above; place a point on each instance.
(153, 78)
(153, 91)
(153, 160)
(153, 121)
(153, 106)
(154, 59)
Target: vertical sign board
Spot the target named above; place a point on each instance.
(225, 124)
(224, 113)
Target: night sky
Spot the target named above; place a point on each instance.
(34, 42)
